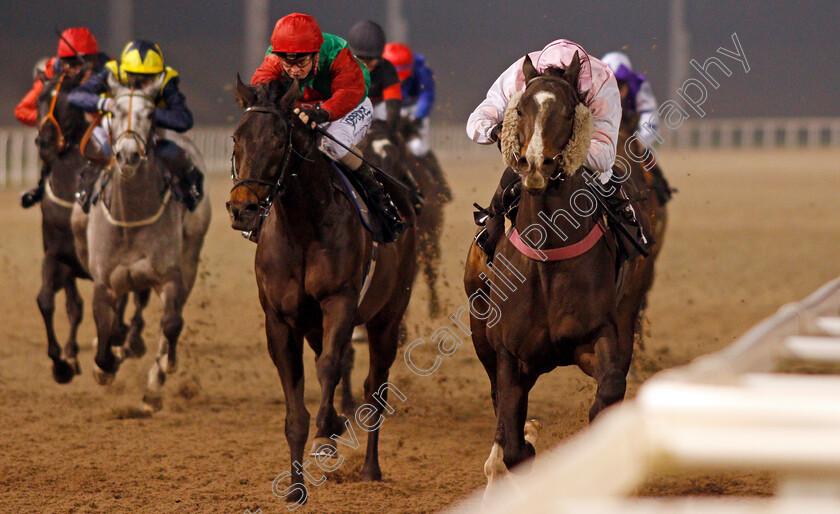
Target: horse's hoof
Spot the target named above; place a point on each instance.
(63, 372)
(532, 431)
(298, 495)
(74, 362)
(136, 346)
(102, 378)
(152, 402)
(359, 335)
(371, 475)
(323, 447)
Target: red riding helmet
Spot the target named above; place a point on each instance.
(80, 39)
(401, 57)
(296, 34)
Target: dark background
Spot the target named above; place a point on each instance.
(792, 47)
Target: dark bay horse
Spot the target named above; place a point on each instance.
(310, 264)
(381, 148)
(61, 129)
(528, 315)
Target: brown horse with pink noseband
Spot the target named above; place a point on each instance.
(550, 297)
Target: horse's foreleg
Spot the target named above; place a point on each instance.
(285, 347)
(348, 403)
(105, 306)
(338, 313)
(610, 370)
(135, 345)
(513, 386)
(166, 361)
(383, 344)
(50, 283)
(75, 309)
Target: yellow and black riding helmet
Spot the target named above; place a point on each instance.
(140, 58)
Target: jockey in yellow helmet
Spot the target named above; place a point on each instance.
(140, 64)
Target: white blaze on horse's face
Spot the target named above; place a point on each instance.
(536, 145)
(131, 127)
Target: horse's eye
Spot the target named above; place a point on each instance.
(518, 111)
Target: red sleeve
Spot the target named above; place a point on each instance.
(392, 92)
(269, 70)
(347, 83)
(26, 111)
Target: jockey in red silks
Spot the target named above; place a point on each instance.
(334, 87)
(81, 55)
(602, 97)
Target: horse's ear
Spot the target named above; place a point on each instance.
(244, 94)
(114, 85)
(288, 100)
(528, 69)
(154, 88)
(572, 71)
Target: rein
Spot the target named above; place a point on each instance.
(128, 132)
(50, 117)
(278, 186)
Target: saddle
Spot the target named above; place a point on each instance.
(347, 184)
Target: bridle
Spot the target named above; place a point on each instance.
(276, 186)
(50, 117)
(129, 132)
(558, 170)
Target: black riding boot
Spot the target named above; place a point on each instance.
(189, 181)
(416, 196)
(36, 194)
(661, 187)
(393, 222)
(619, 203)
(493, 218)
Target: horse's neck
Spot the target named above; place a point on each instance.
(138, 197)
(554, 213)
(63, 172)
(308, 196)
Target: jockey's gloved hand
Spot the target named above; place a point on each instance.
(313, 116)
(105, 104)
(495, 134)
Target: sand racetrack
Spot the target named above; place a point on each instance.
(748, 232)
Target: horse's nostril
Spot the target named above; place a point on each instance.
(251, 207)
(548, 162)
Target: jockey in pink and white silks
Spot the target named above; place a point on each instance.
(597, 82)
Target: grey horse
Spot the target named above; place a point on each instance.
(138, 237)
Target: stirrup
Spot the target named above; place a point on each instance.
(481, 215)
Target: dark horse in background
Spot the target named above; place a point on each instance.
(311, 260)
(383, 149)
(567, 311)
(389, 153)
(61, 129)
